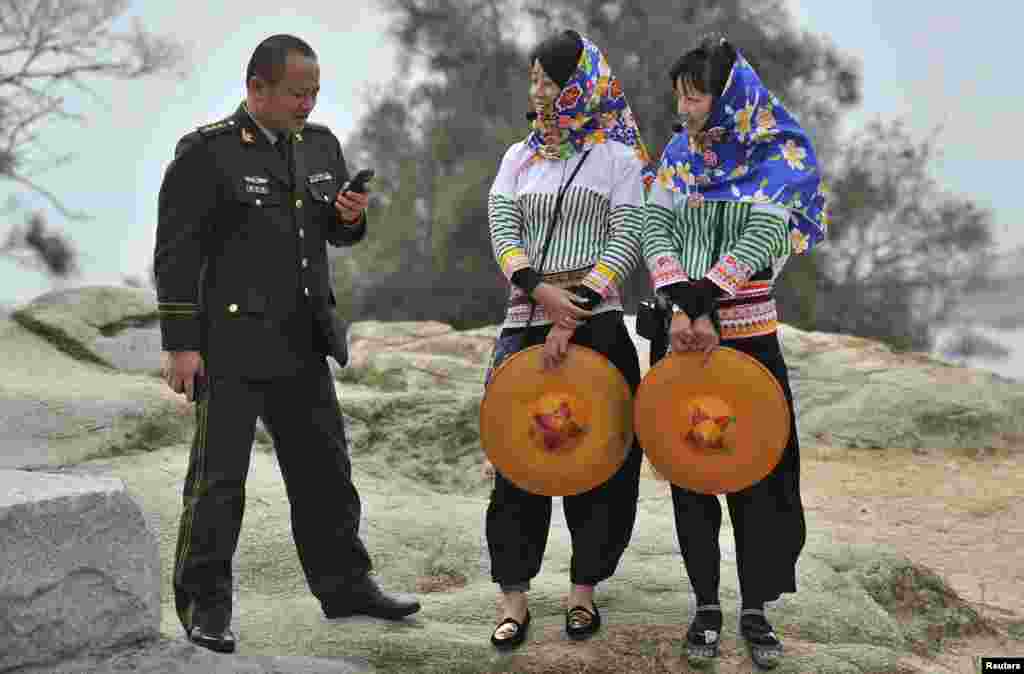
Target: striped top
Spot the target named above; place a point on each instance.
(679, 240)
(679, 245)
(597, 242)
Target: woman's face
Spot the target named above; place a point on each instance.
(692, 104)
(543, 90)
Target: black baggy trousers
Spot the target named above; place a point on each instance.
(767, 517)
(601, 520)
(302, 415)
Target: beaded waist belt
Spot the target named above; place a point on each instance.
(750, 313)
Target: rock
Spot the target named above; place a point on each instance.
(56, 409)
(853, 392)
(168, 656)
(113, 326)
(81, 568)
(366, 337)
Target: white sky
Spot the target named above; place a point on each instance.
(935, 63)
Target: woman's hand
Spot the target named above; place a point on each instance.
(705, 336)
(556, 346)
(560, 305)
(680, 333)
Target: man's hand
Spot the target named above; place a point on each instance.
(560, 305)
(180, 369)
(705, 337)
(556, 346)
(350, 205)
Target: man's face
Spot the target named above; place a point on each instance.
(286, 105)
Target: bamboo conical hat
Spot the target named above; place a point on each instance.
(560, 432)
(713, 426)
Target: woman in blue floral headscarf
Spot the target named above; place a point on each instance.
(738, 191)
(584, 144)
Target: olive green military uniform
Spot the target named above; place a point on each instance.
(242, 277)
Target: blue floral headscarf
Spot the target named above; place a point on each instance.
(591, 109)
(753, 150)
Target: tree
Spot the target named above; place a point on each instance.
(47, 46)
(902, 250)
(471, 107)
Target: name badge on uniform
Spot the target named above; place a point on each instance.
(255, 180)
(320, 177)
(257, 189)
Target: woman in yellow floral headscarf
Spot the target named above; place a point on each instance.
(738, 191)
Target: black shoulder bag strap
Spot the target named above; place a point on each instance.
(551, 230)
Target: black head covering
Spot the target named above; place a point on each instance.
(559, 55)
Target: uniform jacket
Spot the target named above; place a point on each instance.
(241, 248)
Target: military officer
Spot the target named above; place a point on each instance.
(246, 209)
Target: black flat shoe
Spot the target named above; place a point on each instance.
(703, 637)
(517, 637)
(581, 623)
(368, 599)
(763, 645)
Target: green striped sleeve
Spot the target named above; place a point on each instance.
(658, 246)
(505, 219)
(764, 239)
(621, 254)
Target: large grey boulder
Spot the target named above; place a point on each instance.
(170, 656)
(80, 571)
(108, 325)
(56, 409)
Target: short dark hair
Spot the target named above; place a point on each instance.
(269, 59)
(707, 66)
(559, 55)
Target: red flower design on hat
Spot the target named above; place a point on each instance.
(569, 97)
(616, 88)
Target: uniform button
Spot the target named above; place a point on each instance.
(305, 262)
(232, 308)
(306, 290)
(302, 233)
(259, 202)
(298, 203)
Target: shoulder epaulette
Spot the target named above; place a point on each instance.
(207, 130)
(313, 126)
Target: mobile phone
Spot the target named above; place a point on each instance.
(358, 183)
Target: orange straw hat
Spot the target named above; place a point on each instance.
(559, 432)
(713, 428)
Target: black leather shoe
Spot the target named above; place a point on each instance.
(211, 630)
(368, 599)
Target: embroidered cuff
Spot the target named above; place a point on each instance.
(600, 279)
(179, 326)
(730, 274)
(665, 270)
(512, 261)
(527, 279)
